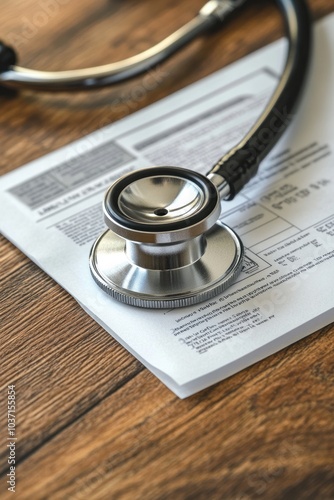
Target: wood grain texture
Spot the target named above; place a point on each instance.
(92, 422)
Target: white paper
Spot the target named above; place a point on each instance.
(52, 210)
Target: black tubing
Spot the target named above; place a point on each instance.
(241, 163)
(8, 58)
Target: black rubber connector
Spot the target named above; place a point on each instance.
(8, 57)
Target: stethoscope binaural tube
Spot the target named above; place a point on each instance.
(165, 246)
(212, 14)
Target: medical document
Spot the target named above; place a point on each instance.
(52, 210)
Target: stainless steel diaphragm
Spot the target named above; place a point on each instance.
(164, 247)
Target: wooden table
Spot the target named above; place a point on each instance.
(91, 421)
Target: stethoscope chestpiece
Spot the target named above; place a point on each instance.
(165, 246)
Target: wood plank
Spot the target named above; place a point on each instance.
(251, 435)
(61, 362)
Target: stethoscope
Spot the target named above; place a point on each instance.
(165, 246)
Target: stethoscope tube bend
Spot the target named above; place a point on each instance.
(212, 14)
(165, 246)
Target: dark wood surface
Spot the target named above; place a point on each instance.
(92, 423)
